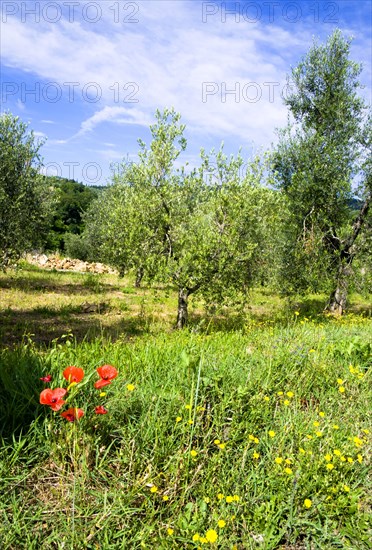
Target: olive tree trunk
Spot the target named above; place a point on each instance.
(182, 313)
(337, 300)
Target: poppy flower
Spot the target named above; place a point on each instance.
(107, 373)
(53, 398)
(47, 378)
(73, 374)
(100, 410)
(72, 414)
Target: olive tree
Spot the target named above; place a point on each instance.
(23, 198)
(321, 163)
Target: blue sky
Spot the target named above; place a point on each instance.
(89, 75)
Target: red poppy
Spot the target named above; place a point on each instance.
(47, 378)
(73, 374)
(72, 414)
(107, 373)
(100, 410)
(53, 398)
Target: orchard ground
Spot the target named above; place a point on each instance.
(250, 429)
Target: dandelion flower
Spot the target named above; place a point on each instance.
(229, 499)
(170, 531)
(336, 427)
(179, 418)
(288, 461)
(346, 488)
(337, 452)
(330, 466)
(286, 402)
(307, 503)
(193, 453)
(322, 414)
(328, 457)
(256, 440)
(220, 496)
(188, 407)
(222, 445)
(190, 422)
(221, 523)
(207, 500)
(360, 459)
(302, 451)
(358, 442)
(271, 433)
(341, 389)
(290, 394)
(256, 455)
(211, 536)
(280, 393)
(319, 434)
(216, 441)
(130, 387)
(154, 489)
(340, 382)
(278, 460)
(266, 398)
(316, 423)
(196, 537)
(236, 498)
(288, 471)
(165, 498)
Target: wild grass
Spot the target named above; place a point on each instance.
(257, 436)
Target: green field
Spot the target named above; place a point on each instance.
(250, 429)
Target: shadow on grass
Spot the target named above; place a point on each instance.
(46, 283)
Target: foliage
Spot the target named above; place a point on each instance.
(319, 158)
(72, 199)
(24, 200)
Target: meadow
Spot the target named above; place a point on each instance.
(250, 429)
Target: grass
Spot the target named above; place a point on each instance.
(199, 448)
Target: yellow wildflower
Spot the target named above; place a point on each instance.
(165, 498)
(288, 471)
(256, 455)
(271, 433)
(130, 387)
(278, 460)
(222, 445)
(322, 414)
(328, 457)
(316, 423)
(196, 537)
(286, 402)
(179, 418)
(154, 489)
(229, 499)
(290, 394)
(220, 496)
(193, 453)
(307, 503)
(330, 466)
(216, 441)
(337, 452)
(211, 535)
(221, 523)
(341, 389)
